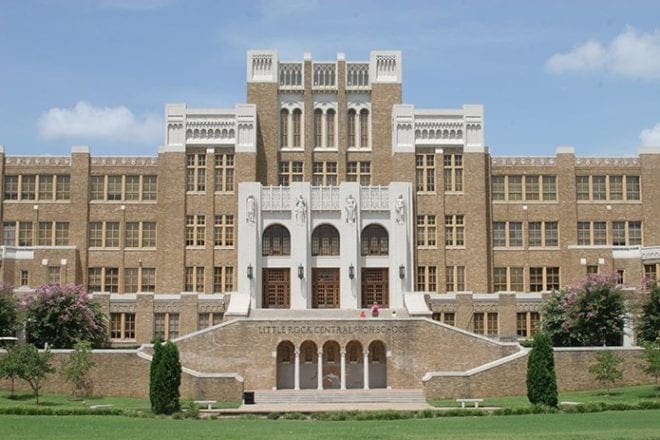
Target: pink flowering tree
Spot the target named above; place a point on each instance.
(61, 315)
(591, 313)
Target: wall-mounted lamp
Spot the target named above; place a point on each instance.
(249, 271)
(351, 271)
(402, 271)
(301, 271)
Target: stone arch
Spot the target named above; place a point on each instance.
(331, 365)
(285, 365)
(308, 365)
(354, 365)
(377, 364)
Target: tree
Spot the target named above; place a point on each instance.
(35, 366)
(607, 370)
(165, 375)
(62, 315)
(651, 358)
(541, 377)
(649, 325)
(8, 311)
(77, 368)
(10, 367)
(589, 314)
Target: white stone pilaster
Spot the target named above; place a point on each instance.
(343, 369)
(296, 370)
(319, 369)
(365, 369)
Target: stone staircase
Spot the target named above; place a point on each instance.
(382, 396)
(290, 314)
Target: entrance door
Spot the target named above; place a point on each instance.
(325, 288)
(375, 287)
(275, 289)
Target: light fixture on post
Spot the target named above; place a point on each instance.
(351, 271)
(301, 271)
(402, 271)
(249, 271)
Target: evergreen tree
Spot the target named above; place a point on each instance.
(649, 328)
(165, 379)
(541, 378)
(8, 311)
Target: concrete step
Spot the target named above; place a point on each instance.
(339, 396)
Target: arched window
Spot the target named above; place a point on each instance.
(330, 128)
(364, 128)
(276, 241)
(296, 127)
(284, 128)
(325, 241)
(377, 351)
(351, 128)
(374, 240)
(354, 352)
(318, 121)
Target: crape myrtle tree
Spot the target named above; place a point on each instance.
(62, 315)
(649, 323)
(541, 376)
(34, 366)
(10, 366)
(591, 313)
(8, 311)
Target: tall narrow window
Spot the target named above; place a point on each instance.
(296, 128)
(425, 172)
(284, 128)
(350, 123)
(364, 128)
(318, 132)
(330, 128)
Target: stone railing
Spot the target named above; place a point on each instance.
(374, 198)
(275, 198)
(533, 161)
(324, 75)
(130, 161)
(325, 198)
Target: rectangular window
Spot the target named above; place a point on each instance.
(552, 278)
(453, 168)
(196, 172)
(618, 233)
(584, 233)
(95, 234)
(616, 187)
(290, 171)
(195, 230)
(592, 269)
(149, 234)
(149, 188)
(426, 231)
(598, 188)
(24, 279)
(517, 277)
(478, 323)
(131, 280)
(224, 173)
(521, 324)
(600, 233)
(536, 279)
(61, 233)
(492, 327)
(499, 234)
(582, 187)
(194, 279)
(97, 187)
(534, 234)
(62, 187)
(166, 325)
(132, 238)
(28, 187)
(111, 279)
(122, 326)
(11, 188)
(500, 279)
(427, 279)
(25, 234)
(45, 187)
(634, 233)
(223, 234)
(551, 234)
(425, 172)
(532, 188)
(45, 235)
(94, 279)
(454, 231)
(114, 188)
(324, 173)
(515, 234)
(132, 188)
(54, 275)
(497, 187)
(359, 172)
(455, 278)
(543, 279)
(650, 272)
(223, 279)
(111, 234)
(514, 184)
(549, 188)
(632, 188)
(148, 282)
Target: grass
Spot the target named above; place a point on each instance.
(631, 425)
(631, 395)
(64, 401)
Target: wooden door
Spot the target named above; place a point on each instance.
(276, 289)
(325, 288)
(375, 287)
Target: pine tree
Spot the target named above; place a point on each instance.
(165, 379)
(541, 378)
(154, 377)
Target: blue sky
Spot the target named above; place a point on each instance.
(98, 73)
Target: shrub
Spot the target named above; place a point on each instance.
(8, 311)
(35, 366)
(77, 368)
(607, 370)
(541, 378)
(165, 375)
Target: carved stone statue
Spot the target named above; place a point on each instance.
(350, 207)
(300, 210)
(400, 208)
(251, 209)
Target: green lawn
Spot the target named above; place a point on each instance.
(627, 425)
(629, 395)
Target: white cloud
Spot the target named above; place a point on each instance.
(86, 122)
(628, 54)
(650, 137)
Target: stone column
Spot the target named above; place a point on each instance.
(343, 369)
(365, 369)
(296, 371)
(319, 370)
